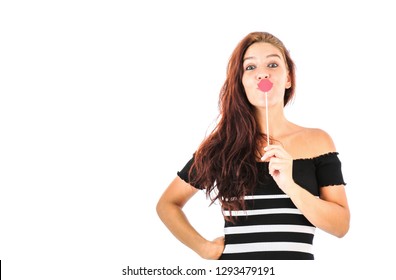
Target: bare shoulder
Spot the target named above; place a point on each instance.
(319, 141)
(307, 142)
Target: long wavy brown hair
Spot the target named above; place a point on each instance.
(225, 162)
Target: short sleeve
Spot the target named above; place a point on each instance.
(328, 170)
(185, 175)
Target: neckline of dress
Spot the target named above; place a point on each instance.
(309, 158)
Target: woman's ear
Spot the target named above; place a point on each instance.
(288, 82)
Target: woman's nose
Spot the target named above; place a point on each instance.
(262, 76)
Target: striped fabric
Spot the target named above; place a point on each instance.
(271, 228)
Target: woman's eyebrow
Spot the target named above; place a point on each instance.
(274, 55)
(268, 56)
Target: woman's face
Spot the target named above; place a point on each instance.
(264, 61)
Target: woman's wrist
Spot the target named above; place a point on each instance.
(292, 189)
(211, 250)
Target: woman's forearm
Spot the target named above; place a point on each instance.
(324, 214)
(176, 221)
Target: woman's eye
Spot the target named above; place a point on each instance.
(250, 67)
(272, 65)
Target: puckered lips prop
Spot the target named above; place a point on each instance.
(265, 85)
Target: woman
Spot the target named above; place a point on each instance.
(273, 195)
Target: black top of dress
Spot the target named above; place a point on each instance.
(272, 227)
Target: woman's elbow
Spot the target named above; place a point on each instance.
(343, 231)
(160, 208)
(344, 227)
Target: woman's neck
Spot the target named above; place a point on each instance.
(277, 122)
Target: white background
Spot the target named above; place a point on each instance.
(102, 102)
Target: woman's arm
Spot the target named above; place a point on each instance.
(330, 212)
(169, 209)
